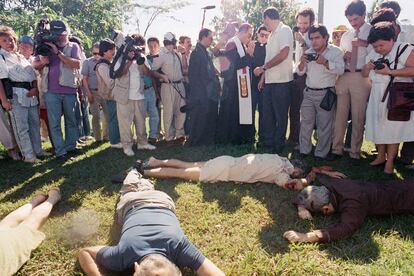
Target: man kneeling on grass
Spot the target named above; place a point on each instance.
(354, 200)
(249, 168)
(152, 242)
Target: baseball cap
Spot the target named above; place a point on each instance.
(170, 37)
(58, 27)
(25, 39)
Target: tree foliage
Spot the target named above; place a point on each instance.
(251, 11)
(91, 20)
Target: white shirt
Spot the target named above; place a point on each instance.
(346, 44)
(406, 34)
(135, 82)
(280, 38)
(318, 76)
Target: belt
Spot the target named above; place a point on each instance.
(175, 82)
(356, 71)
(147, 87)
(21, 84)
(320, 89)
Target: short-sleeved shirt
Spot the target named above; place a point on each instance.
(279, 39)
(150, 231)
(54, 72)
(88, 70)
(249, 168)
(346, 44)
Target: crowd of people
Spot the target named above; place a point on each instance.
(335, 86)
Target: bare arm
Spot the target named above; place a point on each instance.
(87, 260)
(73, 63)
(208, 268)
(279, 58)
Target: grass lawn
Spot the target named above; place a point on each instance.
(238, 226)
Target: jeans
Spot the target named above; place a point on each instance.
(151, 108)
(58, 104)
(26, 127)
(113, 129)
(276, 100)
(82, 118)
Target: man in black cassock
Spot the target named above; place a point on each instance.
(202, 102)
(229, 129)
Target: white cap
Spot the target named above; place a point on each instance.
(169, 36)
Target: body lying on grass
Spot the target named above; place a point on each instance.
(354, 200)
(249, 168)
(151, 242)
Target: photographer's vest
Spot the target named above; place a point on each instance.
(68, 76)
(121, 88)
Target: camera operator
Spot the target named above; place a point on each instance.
(322, 71)
(172, 89)
(130, 100)
(60, 81)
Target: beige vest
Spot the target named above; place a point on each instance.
(121, 88)
(103, 90)
(68, 76)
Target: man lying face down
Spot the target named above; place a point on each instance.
(249, 168)
(151, 243)
(354, 200)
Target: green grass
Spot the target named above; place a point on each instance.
(238, 226)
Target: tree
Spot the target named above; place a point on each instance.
(156, 10)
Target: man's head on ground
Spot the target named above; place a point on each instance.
(315, 199)
(262, 34)
(156, 265)
(153, 45)
(245, 33)
(107, 48)
(170, 41)
(299, 168)
(355, 12)
(305, 18)
(205, 37)
(391, 5)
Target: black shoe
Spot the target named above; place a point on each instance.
(303, 156)
(334, 156)
(75, 152)
(138, 165)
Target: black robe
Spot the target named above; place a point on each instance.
(202, 102)
(229, 128)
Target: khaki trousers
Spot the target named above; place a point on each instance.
(132, 112)
(6, 136)
(98, 102)
(172, 116)
(353, 92)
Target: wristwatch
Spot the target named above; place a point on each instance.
(264, 68)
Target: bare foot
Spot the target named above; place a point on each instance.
(38, 198)
(54, 195)
(378, 161)
(152, 162)
(389, 167)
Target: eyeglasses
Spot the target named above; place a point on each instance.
(264, 35)
(95, 54)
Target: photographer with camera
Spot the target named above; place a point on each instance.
(172, 89)
(58, 62)
(129, 94)
(20, 87)
(322, 63)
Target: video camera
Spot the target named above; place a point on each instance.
(380, 63)
(42, 35)
(124, 45)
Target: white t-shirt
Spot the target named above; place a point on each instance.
(280, 38)
(135, 83)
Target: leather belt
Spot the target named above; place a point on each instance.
(356, 71)
(21, 84)
(320, 89)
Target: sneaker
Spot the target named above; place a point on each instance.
(116, 146)
(146, 147)
(44, 154)
(31, 160)
(129, 152)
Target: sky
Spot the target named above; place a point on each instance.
(190, 17)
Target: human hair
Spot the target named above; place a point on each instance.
(76, 40)
(139, 40)
(305, 12)
(355, 7)
(271, 13)
(387, 15)
(391, 5)
(95, 45)
(318, 28)
(105, 45)
(153, 39)
(8, 31)
(296, 163)
(381, 31)
(155, 262)
(245, 27)
(262, 28)
(182, 39)
(313, 198)
(203, 33)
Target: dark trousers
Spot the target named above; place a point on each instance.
(296, 99)
(407, 152)
(257, 102)
(276, 100)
